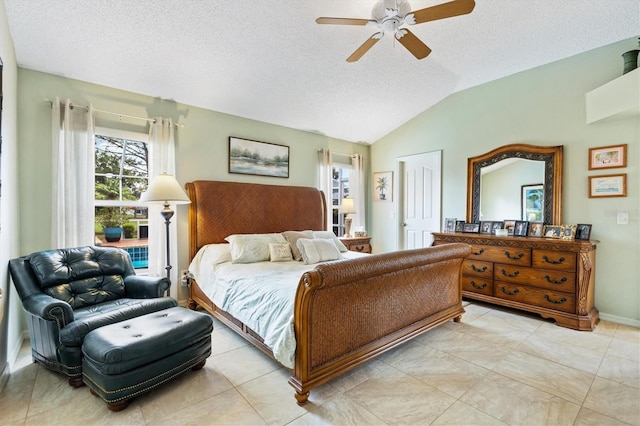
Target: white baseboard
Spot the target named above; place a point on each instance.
(620, 320)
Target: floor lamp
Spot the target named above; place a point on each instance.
(164, 189)
(347, 207)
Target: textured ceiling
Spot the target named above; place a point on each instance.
(268, 60)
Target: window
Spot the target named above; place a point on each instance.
(121, 175)
(339, 190)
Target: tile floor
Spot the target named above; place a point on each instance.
(496, 367)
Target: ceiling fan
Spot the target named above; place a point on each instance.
(393, 15)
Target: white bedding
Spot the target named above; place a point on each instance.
(260, 294)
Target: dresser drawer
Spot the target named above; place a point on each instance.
(553, 280)
(477, 285)
(535, 296)
(510, 255)
(477, 268)
(560, 260)
(362, 248)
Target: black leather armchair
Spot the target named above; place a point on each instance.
(66, 293)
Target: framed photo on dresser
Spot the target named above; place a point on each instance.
(520, 228)
(583, 231)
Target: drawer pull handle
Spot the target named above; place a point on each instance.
(518, 257)
(359, 248)
(479, 252)
(555, 302)
(475, 268)
(512, 293)
(479, 287)
(515, 273)
(553, 262)
(560, 281)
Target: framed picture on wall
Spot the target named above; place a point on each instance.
(608, 157)
(608, 186)
(383, 186)
(249, 157)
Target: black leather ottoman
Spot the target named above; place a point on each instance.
(126, 359)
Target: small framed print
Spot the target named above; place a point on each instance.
(568, 232)
(608, 157)
(494, 226)
(583, 231)
(450, 225)
(553, 231)
(509, 225)
(471, 228)
(535, 229)
(486, 227)
(608, 186)
(520, 228)
(459, 225)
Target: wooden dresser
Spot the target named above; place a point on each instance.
(553, 278)
(361, 244)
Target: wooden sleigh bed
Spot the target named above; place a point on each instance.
(346, 312)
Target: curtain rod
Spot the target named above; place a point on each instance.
(149, 120)
(336, 153)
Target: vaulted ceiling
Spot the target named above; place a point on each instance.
(268, 60)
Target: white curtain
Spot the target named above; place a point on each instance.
(325, 184)
(73, 214)
(162, 160)
(358, 192)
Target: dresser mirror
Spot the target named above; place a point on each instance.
(518, 181)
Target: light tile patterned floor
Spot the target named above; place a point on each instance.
(496, 367)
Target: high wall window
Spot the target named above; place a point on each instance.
(121, 175)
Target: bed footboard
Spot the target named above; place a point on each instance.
(347, 313)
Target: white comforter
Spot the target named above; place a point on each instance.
(261, 294)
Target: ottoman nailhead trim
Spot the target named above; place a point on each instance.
(142, 383)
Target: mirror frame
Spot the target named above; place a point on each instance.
(552, 157)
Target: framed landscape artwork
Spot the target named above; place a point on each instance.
(249, 157)
(608, 186)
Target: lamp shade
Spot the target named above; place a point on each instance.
(348, 206)
(164, 188)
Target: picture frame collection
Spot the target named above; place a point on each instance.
(520, 228)
(610, 185)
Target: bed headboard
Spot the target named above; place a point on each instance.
(219, 209)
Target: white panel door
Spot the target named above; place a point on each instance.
(421, 191)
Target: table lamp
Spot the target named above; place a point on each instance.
(347, 207)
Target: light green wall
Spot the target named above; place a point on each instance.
(10, 306)
(201, 147)
(542, 106)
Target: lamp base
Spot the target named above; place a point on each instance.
(347, 227)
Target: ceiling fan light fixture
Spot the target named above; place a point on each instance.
(399, 7)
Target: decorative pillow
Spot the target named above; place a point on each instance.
(250, 248)
(280, 252)
(331, 236)
(317, 250)
(292, 237)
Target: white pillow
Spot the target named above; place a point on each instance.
(317, 250)
(292, 237)
(331, 236)
(250, 248)
(280, 252)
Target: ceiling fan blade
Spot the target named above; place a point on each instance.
(444, 10)
(414, 44)
(364, 47)
(342, 21)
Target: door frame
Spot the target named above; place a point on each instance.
(399, 189)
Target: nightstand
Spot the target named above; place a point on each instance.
(361, 244)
